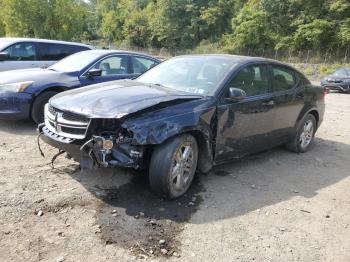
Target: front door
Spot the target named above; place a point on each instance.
(113, 68)
(246, 126)
(20, 56)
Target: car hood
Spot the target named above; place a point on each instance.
(35, 74)
(332, 78)
(116, 99)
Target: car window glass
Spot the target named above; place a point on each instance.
(21, 52)
(282, 78)
(252, 79)
(196, 75)
(340, 72)
(115, 65)
(141, 65)
(55, 52)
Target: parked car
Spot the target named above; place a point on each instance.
(20, 53)
(339, 80)
(188, 113)
(23, 93)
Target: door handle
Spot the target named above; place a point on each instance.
(269, 103)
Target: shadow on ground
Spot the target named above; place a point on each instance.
(130, 211)
(24, 127)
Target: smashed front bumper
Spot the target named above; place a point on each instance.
(98, 151)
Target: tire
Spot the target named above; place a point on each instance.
(304, 136)
(37, 112)
(166, 158)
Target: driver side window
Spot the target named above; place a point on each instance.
(115, 65)
(252, 79)
(21, 52)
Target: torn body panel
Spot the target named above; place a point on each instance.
(133, 130)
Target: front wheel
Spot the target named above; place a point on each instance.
(173, 166)
(37, 112)
(304, 135)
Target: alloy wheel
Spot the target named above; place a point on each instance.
(306, 134)
(182, 167)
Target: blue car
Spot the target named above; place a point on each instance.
(24, 93)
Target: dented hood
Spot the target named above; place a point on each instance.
(115, 99)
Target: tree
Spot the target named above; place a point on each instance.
(250, 32)
(317, 35)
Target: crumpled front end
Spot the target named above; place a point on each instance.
(92, 142)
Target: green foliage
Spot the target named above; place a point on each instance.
(254, 27)
(317, 35)
(251, 31)
(59, 19)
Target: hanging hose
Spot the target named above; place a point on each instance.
(60, 152)
(39, 147)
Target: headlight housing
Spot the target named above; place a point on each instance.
(15, 87)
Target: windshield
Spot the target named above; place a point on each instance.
(197, 75)
(340, 72)
(75, 62)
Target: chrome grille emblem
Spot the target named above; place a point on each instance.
(57, 127)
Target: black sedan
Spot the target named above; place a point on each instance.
(187, 114)
(339, 80)
(23, 93)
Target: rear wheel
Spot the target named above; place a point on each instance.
(304, 136)
(173, 166)
(37, 112)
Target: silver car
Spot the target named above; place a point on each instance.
(20, 53)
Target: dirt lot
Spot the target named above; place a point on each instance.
(274, 206)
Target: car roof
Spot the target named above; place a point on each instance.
(108, 51)
(238, 58)
(13, 40)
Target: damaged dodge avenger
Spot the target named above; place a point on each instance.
(186, 115)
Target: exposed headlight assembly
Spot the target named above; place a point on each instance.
(15, 87)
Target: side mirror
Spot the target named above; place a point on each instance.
(94, 72)
(236, 94)
(3, 56)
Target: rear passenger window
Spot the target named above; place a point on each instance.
(21, 52)
(283, 78)
(252, 79)
(55, 52)
(141, 65)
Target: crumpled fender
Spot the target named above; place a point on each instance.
(159, 127)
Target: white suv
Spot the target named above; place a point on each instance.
(20, 53)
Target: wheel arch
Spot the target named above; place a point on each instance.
(57, 89)
(310, 110)
(205, 153)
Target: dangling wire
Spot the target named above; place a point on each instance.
(60, 152)
(38, 141)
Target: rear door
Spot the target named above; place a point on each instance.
(20, 56)
(246, 126)
(113, 67)
(288, 91)
(50, 53)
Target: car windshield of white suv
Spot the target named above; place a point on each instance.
(75, 62)
(197, 75)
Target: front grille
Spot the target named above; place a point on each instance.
(75, 117)
(66, 124)
(74, 131)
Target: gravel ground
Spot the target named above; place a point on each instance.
(273, 206)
